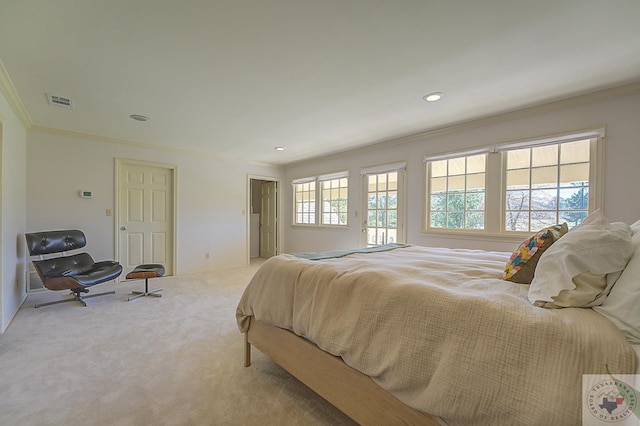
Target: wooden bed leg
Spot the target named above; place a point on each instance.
(247, 351)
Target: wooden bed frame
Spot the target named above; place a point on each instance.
(352, 392)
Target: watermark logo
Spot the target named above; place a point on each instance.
(611, 400)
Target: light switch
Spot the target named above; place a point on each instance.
(108, 212)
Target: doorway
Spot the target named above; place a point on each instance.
(383, 204)
(263, 224)
(145, 214)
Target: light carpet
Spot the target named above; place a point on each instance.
(174, 360)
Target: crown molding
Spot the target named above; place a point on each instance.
(585, 98)
(581, 99)
(9, 91)
(98, 138)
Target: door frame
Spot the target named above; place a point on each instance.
(268, 204)
(119, 163)
(247, 213)
(402, 199)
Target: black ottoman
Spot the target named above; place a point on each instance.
(151, 270)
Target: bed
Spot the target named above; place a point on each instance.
(417, 335)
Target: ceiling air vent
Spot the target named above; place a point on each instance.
(60, 101)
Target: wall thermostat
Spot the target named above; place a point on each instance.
(85, 193)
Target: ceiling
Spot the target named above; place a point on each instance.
(237, 78)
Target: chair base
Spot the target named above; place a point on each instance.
(138, 294)
(146, 271)
(76, 297)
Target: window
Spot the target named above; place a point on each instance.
(305, 202)
(546, 185)
(457, 195)
(330, 192)
(334, 201)
(519, 187)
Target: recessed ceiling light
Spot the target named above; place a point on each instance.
(280, 148)
(433, 96)
(138, 117)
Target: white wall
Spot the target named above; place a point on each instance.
(13, 213)
(211, 196)
(622, 173)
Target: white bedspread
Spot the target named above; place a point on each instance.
(441, 331)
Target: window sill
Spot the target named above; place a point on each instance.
(320, 227)
(514, 237)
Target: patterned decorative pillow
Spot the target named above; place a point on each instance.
(522, 263)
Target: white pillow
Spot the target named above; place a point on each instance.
(622, 306)
(574, 271)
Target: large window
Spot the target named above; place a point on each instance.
(518, 187)
(546, 185)
(457, 195)
(330, 192)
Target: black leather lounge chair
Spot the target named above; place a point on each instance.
(75, 272)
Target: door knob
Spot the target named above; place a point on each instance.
(123, 228)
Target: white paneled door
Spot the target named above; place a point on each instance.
(268, 220)
(145, 215)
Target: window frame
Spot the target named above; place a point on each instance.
(496, 182)
(299, 182)
(319, 200)
(530, 211)
(340, 188)
(429, 176)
